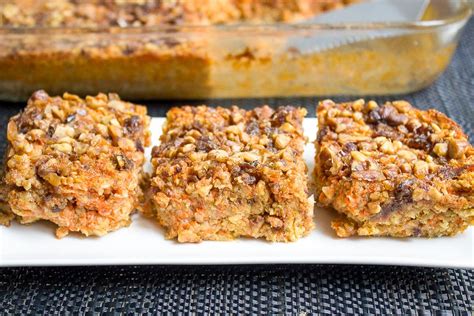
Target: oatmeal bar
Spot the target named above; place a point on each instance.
(76, 163)
(224, 173)
(393, 170)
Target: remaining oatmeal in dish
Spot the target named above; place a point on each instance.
(222, 173)
(150, 49)
(393, 170)
(105, 13)
(74, 162)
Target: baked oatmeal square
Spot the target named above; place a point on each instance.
(75, 162)
(393, 170)
(224, 173)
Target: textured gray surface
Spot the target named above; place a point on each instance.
(260, 289)
(237, 290)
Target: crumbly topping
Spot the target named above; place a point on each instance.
(247, 144)
(105, 13)
(374, 159)
(71, 160)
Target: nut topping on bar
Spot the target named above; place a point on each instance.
(74, 162)
(225, 173)
(393, 170)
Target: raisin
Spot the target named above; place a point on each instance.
(421, 138)
(139, 146)
(192, 178)
(404, 191)
(448, 172)
(249, 179)
(132, 125)
(323, 132)
(403, 195)
(386, 131)
(349, 147)
(39, 95)
(387, 114)
(417, 232)
(253, 128)
(205, 144)
(51, 131)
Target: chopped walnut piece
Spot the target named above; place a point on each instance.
(400, 171)
(457, 148)
(281, 141)
(441, 149)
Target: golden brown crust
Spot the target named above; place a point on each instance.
(77, 163)
(225, 173)
(393, 170)
(61, 13)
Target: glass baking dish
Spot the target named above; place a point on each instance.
(228, 61)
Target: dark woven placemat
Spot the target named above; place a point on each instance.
(236, 290)
(297, 289)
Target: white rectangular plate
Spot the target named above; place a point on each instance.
(143, 243)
